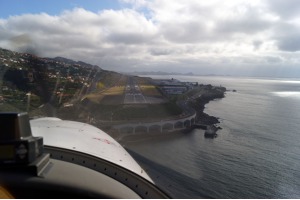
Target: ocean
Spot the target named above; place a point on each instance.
(256, 154)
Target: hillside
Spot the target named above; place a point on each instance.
(43, 85)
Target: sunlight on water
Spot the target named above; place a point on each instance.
(287, 94)
(294, 82)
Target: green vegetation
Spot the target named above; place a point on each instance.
(111, 96)
(150, 90)
(147, 88)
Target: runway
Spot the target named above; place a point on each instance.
(133, 94)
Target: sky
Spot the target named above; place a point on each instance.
(223, 37)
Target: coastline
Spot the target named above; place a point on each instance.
(198, 104)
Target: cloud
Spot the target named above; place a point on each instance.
(283, 8)
(76, 30)
(290, 42)
(203, 36)
(161, 51)
(197, 21)
(286, 35)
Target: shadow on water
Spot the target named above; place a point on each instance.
(175, 184)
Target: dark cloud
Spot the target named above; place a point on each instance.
(246, 25)
(184, 32)
(284, 8)
(287, 36)
(273, 60)
(257, 44)
(130, 38)
(24, 43)
(289, 42)
(161, 51)
(4, 34)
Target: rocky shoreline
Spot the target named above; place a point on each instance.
(198, 104)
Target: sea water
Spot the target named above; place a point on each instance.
(256, 154)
